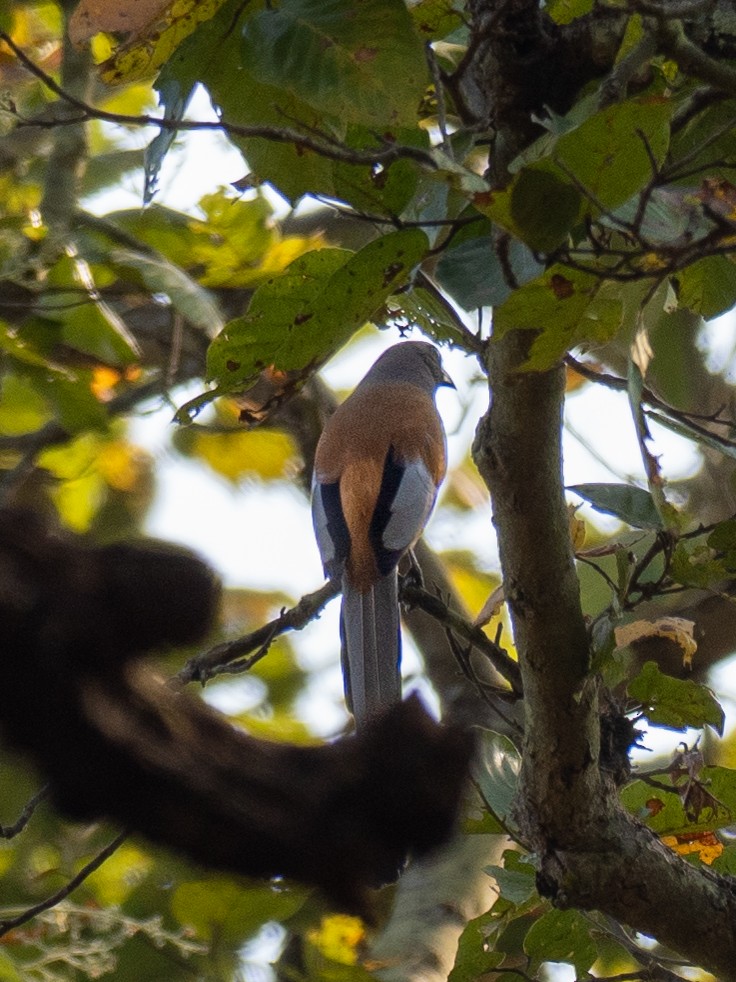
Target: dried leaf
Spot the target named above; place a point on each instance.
(707, 845)
(641, 350)
(118, 16)
(577, 528)
(491, 607)
(676, 629)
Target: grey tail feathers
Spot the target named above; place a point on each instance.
(371, 648)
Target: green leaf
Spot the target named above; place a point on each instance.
(543, 208)
(323, 298)
(565, 11)
(193, 301)
(612, 153)
(632, 505)
(385, 191)
(86, 323)
(726, 862)
(723, 539)
(586, 164)
(562, 936)
(473, 957)
(429, 313)
(435, 19)
(479, 273)
(695, 565)
(497, 773)
(23, 408)
(675, 703)
(566, 307)
(663, 811)
(8, 971)
(217, 906)
(360, 62)
(708, 286)
(212, 56)
(516, 879)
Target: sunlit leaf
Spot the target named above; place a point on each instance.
(675, 703)
(296, 319)
(146, 53)
(625, 501)
(566, 307)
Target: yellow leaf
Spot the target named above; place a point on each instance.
(338, 938)
(121, 464)
(265, 454)
(706, 844)
(146, 53)
(577, 528)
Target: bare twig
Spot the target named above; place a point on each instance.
(228, 657)
(687, 419)
(324, 145)
(71, 886)
(415, 596)
(10, 831)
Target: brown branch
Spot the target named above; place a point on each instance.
(324, 145)
(70, 887)
(692, 59)
(10, 831)
(415, 596)
(228, 658)
(593, 855)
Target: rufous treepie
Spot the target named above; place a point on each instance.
(378, 465)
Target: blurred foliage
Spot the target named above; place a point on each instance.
(618, 221)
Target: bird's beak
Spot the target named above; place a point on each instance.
(446, 380)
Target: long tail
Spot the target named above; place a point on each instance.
(371, 648)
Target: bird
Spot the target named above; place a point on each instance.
(378, 466)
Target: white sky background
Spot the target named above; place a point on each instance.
(261, 536)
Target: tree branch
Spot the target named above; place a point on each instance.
(228, 658)
(592, 854)
(70, 887)
(10, 831)
(324, 144)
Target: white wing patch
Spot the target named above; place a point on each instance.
(411, 507)
(321, 530)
